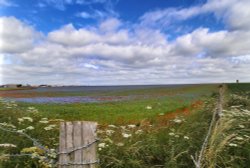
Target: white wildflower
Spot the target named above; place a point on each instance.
(123, 127)
(20, 120)
(20, 131)
(171, 134)
(112, 126)
(30, 128)
(232, 144)
(8, 145)
(131, 126)
(239, 138)
(149, 107)
(161, 114)
(138, 132)
(177, 136)
(28, 118)
(120, 144)
(241, 126)
(101, 145)
(186, 137)
(110, 132)
(44, 121)
(126, 135)
(50, 127)
(178, 121)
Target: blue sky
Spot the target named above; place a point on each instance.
(106, 41)
(48, 15)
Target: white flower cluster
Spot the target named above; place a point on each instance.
(44, 120)
(20, 120)
(149, 107)
(9, 104)
(178, 120)
(50, 127)
(7, 145)
(32, 110)
(102, 145)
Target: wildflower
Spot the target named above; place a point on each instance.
(176, 136)
(20, 120)
(28, 118)
(120, 144)
(171, 134)
(7, 125)
(178, 121)
(109, 132)
(161, 114)
(241, 126)
(50, 127)
(126, 135)
(131, 126)
(138, 132)
(101, 145)
(186, 137)
(148, 107)
(44, 121)
(112, 126)
(31, 108)
(239, 138)
(232, 144)
(20, 131)
(123, 127)
(30, 128)
(6, 145)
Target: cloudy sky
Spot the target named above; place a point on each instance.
(104, 42)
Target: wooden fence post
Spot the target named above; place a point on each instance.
(77, 147)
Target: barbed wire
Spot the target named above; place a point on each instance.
(79, 163)
(79, 148)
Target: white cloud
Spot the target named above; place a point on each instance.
(88, 2)
(235, 13)
(70, 36)
(84, 15)
(16, 36)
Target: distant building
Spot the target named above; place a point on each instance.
(12, 85)
(44, 85)
(237, 81)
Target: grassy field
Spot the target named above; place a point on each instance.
(162, 130)
(160, 100)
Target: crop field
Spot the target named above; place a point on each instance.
(139, 126)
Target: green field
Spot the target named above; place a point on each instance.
(163, 130)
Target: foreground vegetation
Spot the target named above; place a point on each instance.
(139, 134)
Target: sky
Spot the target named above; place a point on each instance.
(124, 42)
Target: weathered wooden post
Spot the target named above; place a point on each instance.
(77, 147)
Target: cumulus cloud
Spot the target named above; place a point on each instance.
(16, 36)
(114, 53)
